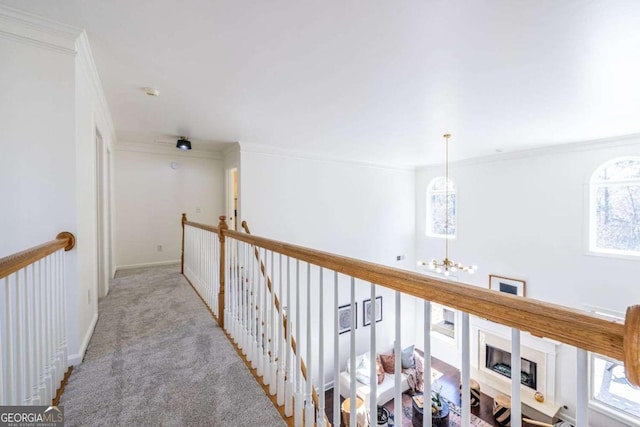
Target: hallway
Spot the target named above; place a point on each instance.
(157, 357)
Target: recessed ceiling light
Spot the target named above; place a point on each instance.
(151, 91)
(499, 150)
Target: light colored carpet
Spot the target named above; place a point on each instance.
(157, 358)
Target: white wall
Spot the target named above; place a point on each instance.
(50, 107)
(361, 211)
(524, 216)
(37, 136)
(150, 198)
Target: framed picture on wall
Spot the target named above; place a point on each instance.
(507, 285)
(344, 317)
(366, 311)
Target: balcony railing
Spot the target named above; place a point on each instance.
(283, 306)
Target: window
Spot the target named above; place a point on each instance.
(615, 208)
(610, 389)
(437, 208)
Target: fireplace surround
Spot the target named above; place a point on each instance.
(491, 359)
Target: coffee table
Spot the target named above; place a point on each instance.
(438, 419)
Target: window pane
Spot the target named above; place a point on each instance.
(610, 386)
(440, 185)
(618, 217)
(623, 169)
(438, 218)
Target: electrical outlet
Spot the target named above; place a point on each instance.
(159, 248)
(198, 209)
(400, 258)
(89, 296)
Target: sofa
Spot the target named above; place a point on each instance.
(386, 388)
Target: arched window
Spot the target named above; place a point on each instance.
(615, 208)
(437, 224)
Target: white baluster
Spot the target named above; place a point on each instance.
(373, 374)
(47, 328)
(582, 391)
(245, 300)
(309, 408)
(63, 311)
(273, 327)
(230, 291)
(426, 339)
(56, 322)
(321, 402)
(207, 275)
(352, 355)
(288, 391)
(299, 395)
(5, 351)
(254, 321)
(516, 368)
(59, 315)
(259, 308)
(22, 348)
(465, 370)
(336, 352)
(265, 321)
(397, 404)
(40, 330)
(31, 344)
(281, 338)
(233, 298)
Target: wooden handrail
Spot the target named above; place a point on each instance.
(541, 319)
(202, 226)
(632, 344)
(12, 263)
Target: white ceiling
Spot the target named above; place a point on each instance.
(377, 81)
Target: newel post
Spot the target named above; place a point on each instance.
(222, 227)
(632, 344)
(184, 219)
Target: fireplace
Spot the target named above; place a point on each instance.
(499, 361)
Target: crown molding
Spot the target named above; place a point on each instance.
(235, 147)
(246, 147)
(572, 147)
(87, 64)
(165, 150)
(38, 31)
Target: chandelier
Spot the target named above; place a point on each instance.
(447, 266)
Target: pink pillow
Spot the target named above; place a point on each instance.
(388, 363)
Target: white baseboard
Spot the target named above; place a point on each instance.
(76, 359)
(148, 264)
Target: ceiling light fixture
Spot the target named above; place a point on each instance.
(151, 91)
(447, 266)
(183, 143)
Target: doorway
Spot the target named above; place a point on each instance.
(103, 205)
(232, 197)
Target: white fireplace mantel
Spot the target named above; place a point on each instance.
(540, 350)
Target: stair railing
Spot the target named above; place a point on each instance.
(332, 279)
(33, 343)
(277, 355)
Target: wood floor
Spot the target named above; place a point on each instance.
(450, 382)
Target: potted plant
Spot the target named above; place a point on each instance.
(436, 401)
